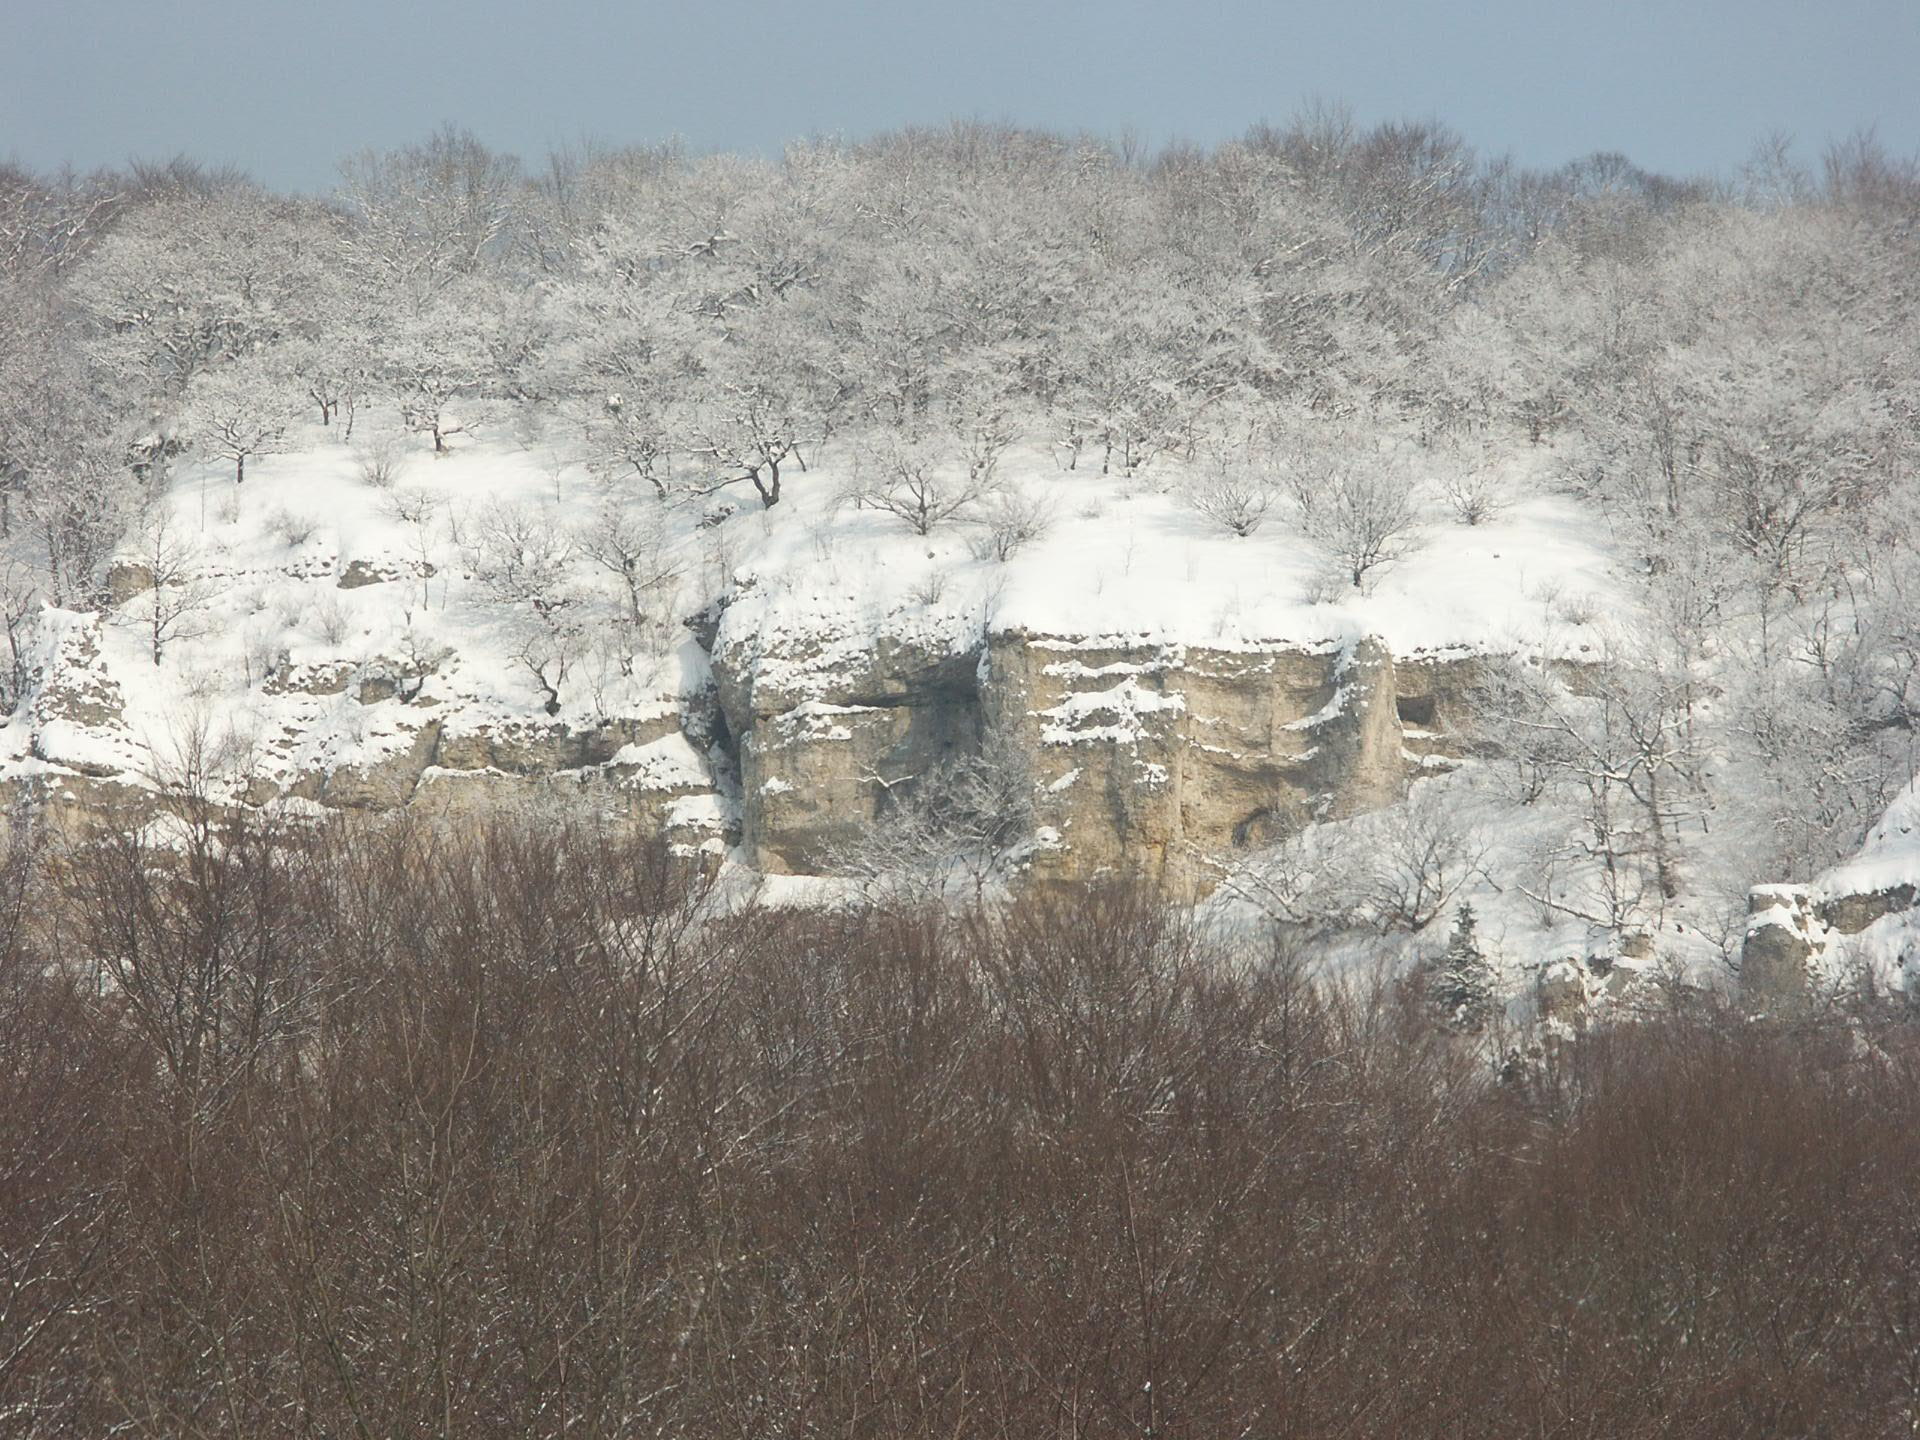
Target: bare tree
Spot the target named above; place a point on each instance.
(1359, 507)
(546, 652)
(915, 479)
(381, 460)
(1614, 740)
(961, 817)
(1008, 521)
(631, 543)
(520, 554)
(1475, 493)
(177, 594)
(1396, 870)
(420, 511)
(1234, 485)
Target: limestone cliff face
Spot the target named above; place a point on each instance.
(1155, 759)
(827, 720)
(1139, 756)
(1149, 758)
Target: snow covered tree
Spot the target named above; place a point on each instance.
(441, 359)
(431, 212)
(1134, 368)
(630, 435)
(521, 557)
(961, 819)
(331, 355)
(582, 188)
(237, 412)
(768, 393)
(67, 486)
(198, 278)
(622, 357)
(54, 402)
(78, 517)
(1460, 984)
(49, 222)
(1356, 503)
(19, 604)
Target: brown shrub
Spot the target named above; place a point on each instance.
(386, 1131)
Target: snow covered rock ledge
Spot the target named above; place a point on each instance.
(1855, 928)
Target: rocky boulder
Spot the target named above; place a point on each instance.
(1781, 953)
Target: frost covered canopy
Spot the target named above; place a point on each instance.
(526, 448)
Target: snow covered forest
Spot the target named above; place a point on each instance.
(1479, 600)
(1369, 341)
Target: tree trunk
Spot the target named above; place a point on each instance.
(770, 487)
(1663, 870)
(239, 469)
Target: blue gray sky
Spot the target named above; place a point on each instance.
(284, 90)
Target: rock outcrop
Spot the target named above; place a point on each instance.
(1800, 944)
(1145, 757)
(1157, 759)
(1855, 929)
(1137, 755)
(79, 760)
(827, 721)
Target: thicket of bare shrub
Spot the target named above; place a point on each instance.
(387, 1133)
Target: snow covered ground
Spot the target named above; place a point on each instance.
(1122, 559)
(303, 584)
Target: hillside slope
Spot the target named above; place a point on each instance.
(816, 690)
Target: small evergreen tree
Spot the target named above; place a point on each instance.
(1461, 982)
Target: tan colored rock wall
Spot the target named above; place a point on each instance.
(1145, 758)
(1794, 934)
(1156, 760)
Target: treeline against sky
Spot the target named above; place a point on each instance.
(1727, 371)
